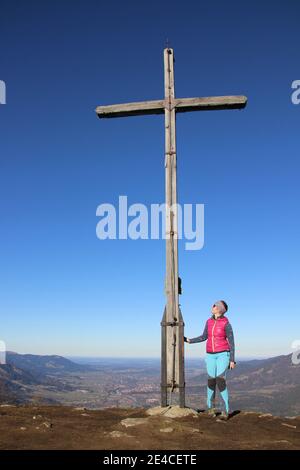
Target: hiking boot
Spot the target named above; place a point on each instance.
(224, 416)
(212, 412)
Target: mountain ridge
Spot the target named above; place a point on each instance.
(270, 385)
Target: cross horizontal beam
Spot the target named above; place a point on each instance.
(181, 106)
(210, 103)
(131, 109)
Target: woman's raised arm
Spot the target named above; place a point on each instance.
(200, 338)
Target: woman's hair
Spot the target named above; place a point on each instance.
(225, 304)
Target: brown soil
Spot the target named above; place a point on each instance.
(59, 427)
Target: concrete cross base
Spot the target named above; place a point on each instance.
(171, 411)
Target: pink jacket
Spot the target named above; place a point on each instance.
(217, 341)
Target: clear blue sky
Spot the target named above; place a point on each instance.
(64, 291)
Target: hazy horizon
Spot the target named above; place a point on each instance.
(82, 358)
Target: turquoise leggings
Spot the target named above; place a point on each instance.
(217, 366)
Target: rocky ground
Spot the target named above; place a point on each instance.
(58, 427)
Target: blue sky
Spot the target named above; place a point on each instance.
(63, 290)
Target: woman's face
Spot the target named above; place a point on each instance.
(216, 311)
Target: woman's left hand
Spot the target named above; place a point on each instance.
(231, 365)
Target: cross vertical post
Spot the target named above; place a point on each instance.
(172, 358)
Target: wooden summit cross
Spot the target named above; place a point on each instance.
(172, 332)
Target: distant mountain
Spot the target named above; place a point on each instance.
(43, 365)
(13, 383)
(266, 372)
(271, 384)
(23, 373)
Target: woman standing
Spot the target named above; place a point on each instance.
(219, 355)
